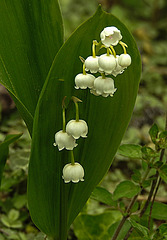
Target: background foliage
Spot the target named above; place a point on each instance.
(147, 21)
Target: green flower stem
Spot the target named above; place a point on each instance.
(77, 111)
(84, 72)
(93, 48)
(108, 52)
(76, 100)
(64, 120)
(123, 46)
(113, 51)
(103, 75)
(72, 157)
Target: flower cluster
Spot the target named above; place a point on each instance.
(107, 64)
(66, 139)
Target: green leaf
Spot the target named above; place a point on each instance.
(136, 177)
(147, 183)
(13, 215)
(163, 229)
(154, 132)
(53, 204)
(131, 151)
(4, 150)
(140, 228)
(95, 227)
(102, 195)
(122, 232)
(19, 201)
(163, 134)
(161, 232)
(125, 189)
(159, 211)
(163, 173)
(31, 35)
(148, 153)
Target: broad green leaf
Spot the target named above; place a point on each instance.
(95, 227)
(125, 189)
(163, 134)
(4, 150)
(140, 228)
(163, 173)
(11, 220)
(154, 132)
(53, 204)
(19, 201)
(131, 151)
(163, 229)
(13, 214)
(122, 232)
(31, 35)
(147, 183)
(102, 195)
(136, 177)
(159, 211)
(148, 153)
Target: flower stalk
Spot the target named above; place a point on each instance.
(64, 114)
(72, 157)
(76, 100)
(123, 46)
(94, 48)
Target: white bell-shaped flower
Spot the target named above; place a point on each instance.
(84, 81)
(118, 69)
(110, 36)
(91, 64)
(124, 60)
(77, 128)
(107, 63)
(63, 140)
(104, 87)
(73, 172)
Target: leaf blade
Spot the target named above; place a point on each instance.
(31, 35)
(44, 170)
(4, 150)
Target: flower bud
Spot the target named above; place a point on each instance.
(84, 81)
(107, 63)
(104, 87)
(77, 128)
(118, 69)
(73, 172)
(124, 60)
(91, 64)
(63, 140)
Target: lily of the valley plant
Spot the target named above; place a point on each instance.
(69, 156)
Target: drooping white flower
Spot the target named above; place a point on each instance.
(118, 69)
(104, 87)
(91, 64)
(124, 60)
(63, 140)
(110, 36)
(84, 81)
(73, 172)
(77, 128)
(107, 63)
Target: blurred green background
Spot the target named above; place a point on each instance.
(147, 21)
